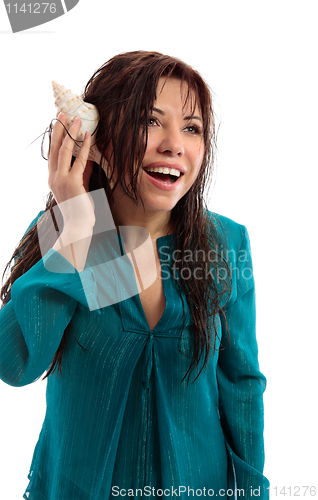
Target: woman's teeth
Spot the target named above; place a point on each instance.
(164, 170)
(165, 174)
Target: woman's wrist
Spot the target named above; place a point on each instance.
(75, 232)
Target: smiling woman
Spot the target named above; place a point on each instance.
(175, 145)
(160, 388)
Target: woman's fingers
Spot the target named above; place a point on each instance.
(82, 156)
(65, 152)
(56, 141)
(65, 181)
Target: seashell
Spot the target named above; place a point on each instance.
(72, 105)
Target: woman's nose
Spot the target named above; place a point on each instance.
(172, 143)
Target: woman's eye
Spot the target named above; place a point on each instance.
(193, 129)
(152, 121)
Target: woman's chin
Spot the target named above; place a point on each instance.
(151, 205)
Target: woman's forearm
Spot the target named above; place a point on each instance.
(73, 244)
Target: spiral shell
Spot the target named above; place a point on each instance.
(73, 106)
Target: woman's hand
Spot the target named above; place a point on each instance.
(70, 185)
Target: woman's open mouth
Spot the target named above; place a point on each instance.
(163, 177)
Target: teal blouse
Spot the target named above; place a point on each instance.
(119, 420)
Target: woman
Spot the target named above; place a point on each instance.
(158, 390)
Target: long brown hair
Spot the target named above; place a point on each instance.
(124, 92)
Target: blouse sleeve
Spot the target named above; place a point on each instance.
(241, 384)
(32, 323)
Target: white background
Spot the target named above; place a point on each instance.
(260, 59)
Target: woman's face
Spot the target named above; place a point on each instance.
(175, 141)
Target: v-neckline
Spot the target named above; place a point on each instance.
(159, 242)
(165, 299)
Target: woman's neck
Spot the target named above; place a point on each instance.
(126, 213)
